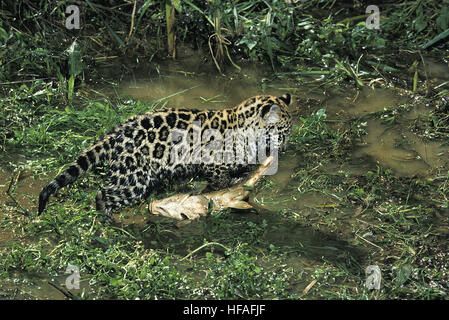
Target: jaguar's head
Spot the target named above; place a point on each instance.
(276, 118)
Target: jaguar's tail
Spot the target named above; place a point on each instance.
(90, 157)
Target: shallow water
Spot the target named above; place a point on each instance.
(41, 287)
(361, 103)
(202, 90)
(437, 71)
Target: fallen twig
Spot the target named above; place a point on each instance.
(203, 246)
(13, 181)
(66, 293)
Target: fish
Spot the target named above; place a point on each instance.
(187, 206)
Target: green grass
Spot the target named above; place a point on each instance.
(41, 123)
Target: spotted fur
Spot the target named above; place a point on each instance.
(140, 152)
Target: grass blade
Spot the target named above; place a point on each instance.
(439, 37)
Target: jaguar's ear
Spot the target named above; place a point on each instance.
(286, 98)
(271, 113)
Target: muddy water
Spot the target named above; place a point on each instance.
(390, 142)
(39, 286)
(437, 72)
(402, 151)
(22, 187)
(19, 190)
(201, 90)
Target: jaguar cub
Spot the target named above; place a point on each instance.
(147, 150)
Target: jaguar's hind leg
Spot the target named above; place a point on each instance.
(220, 177)
(101, 206)
(113, 197)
